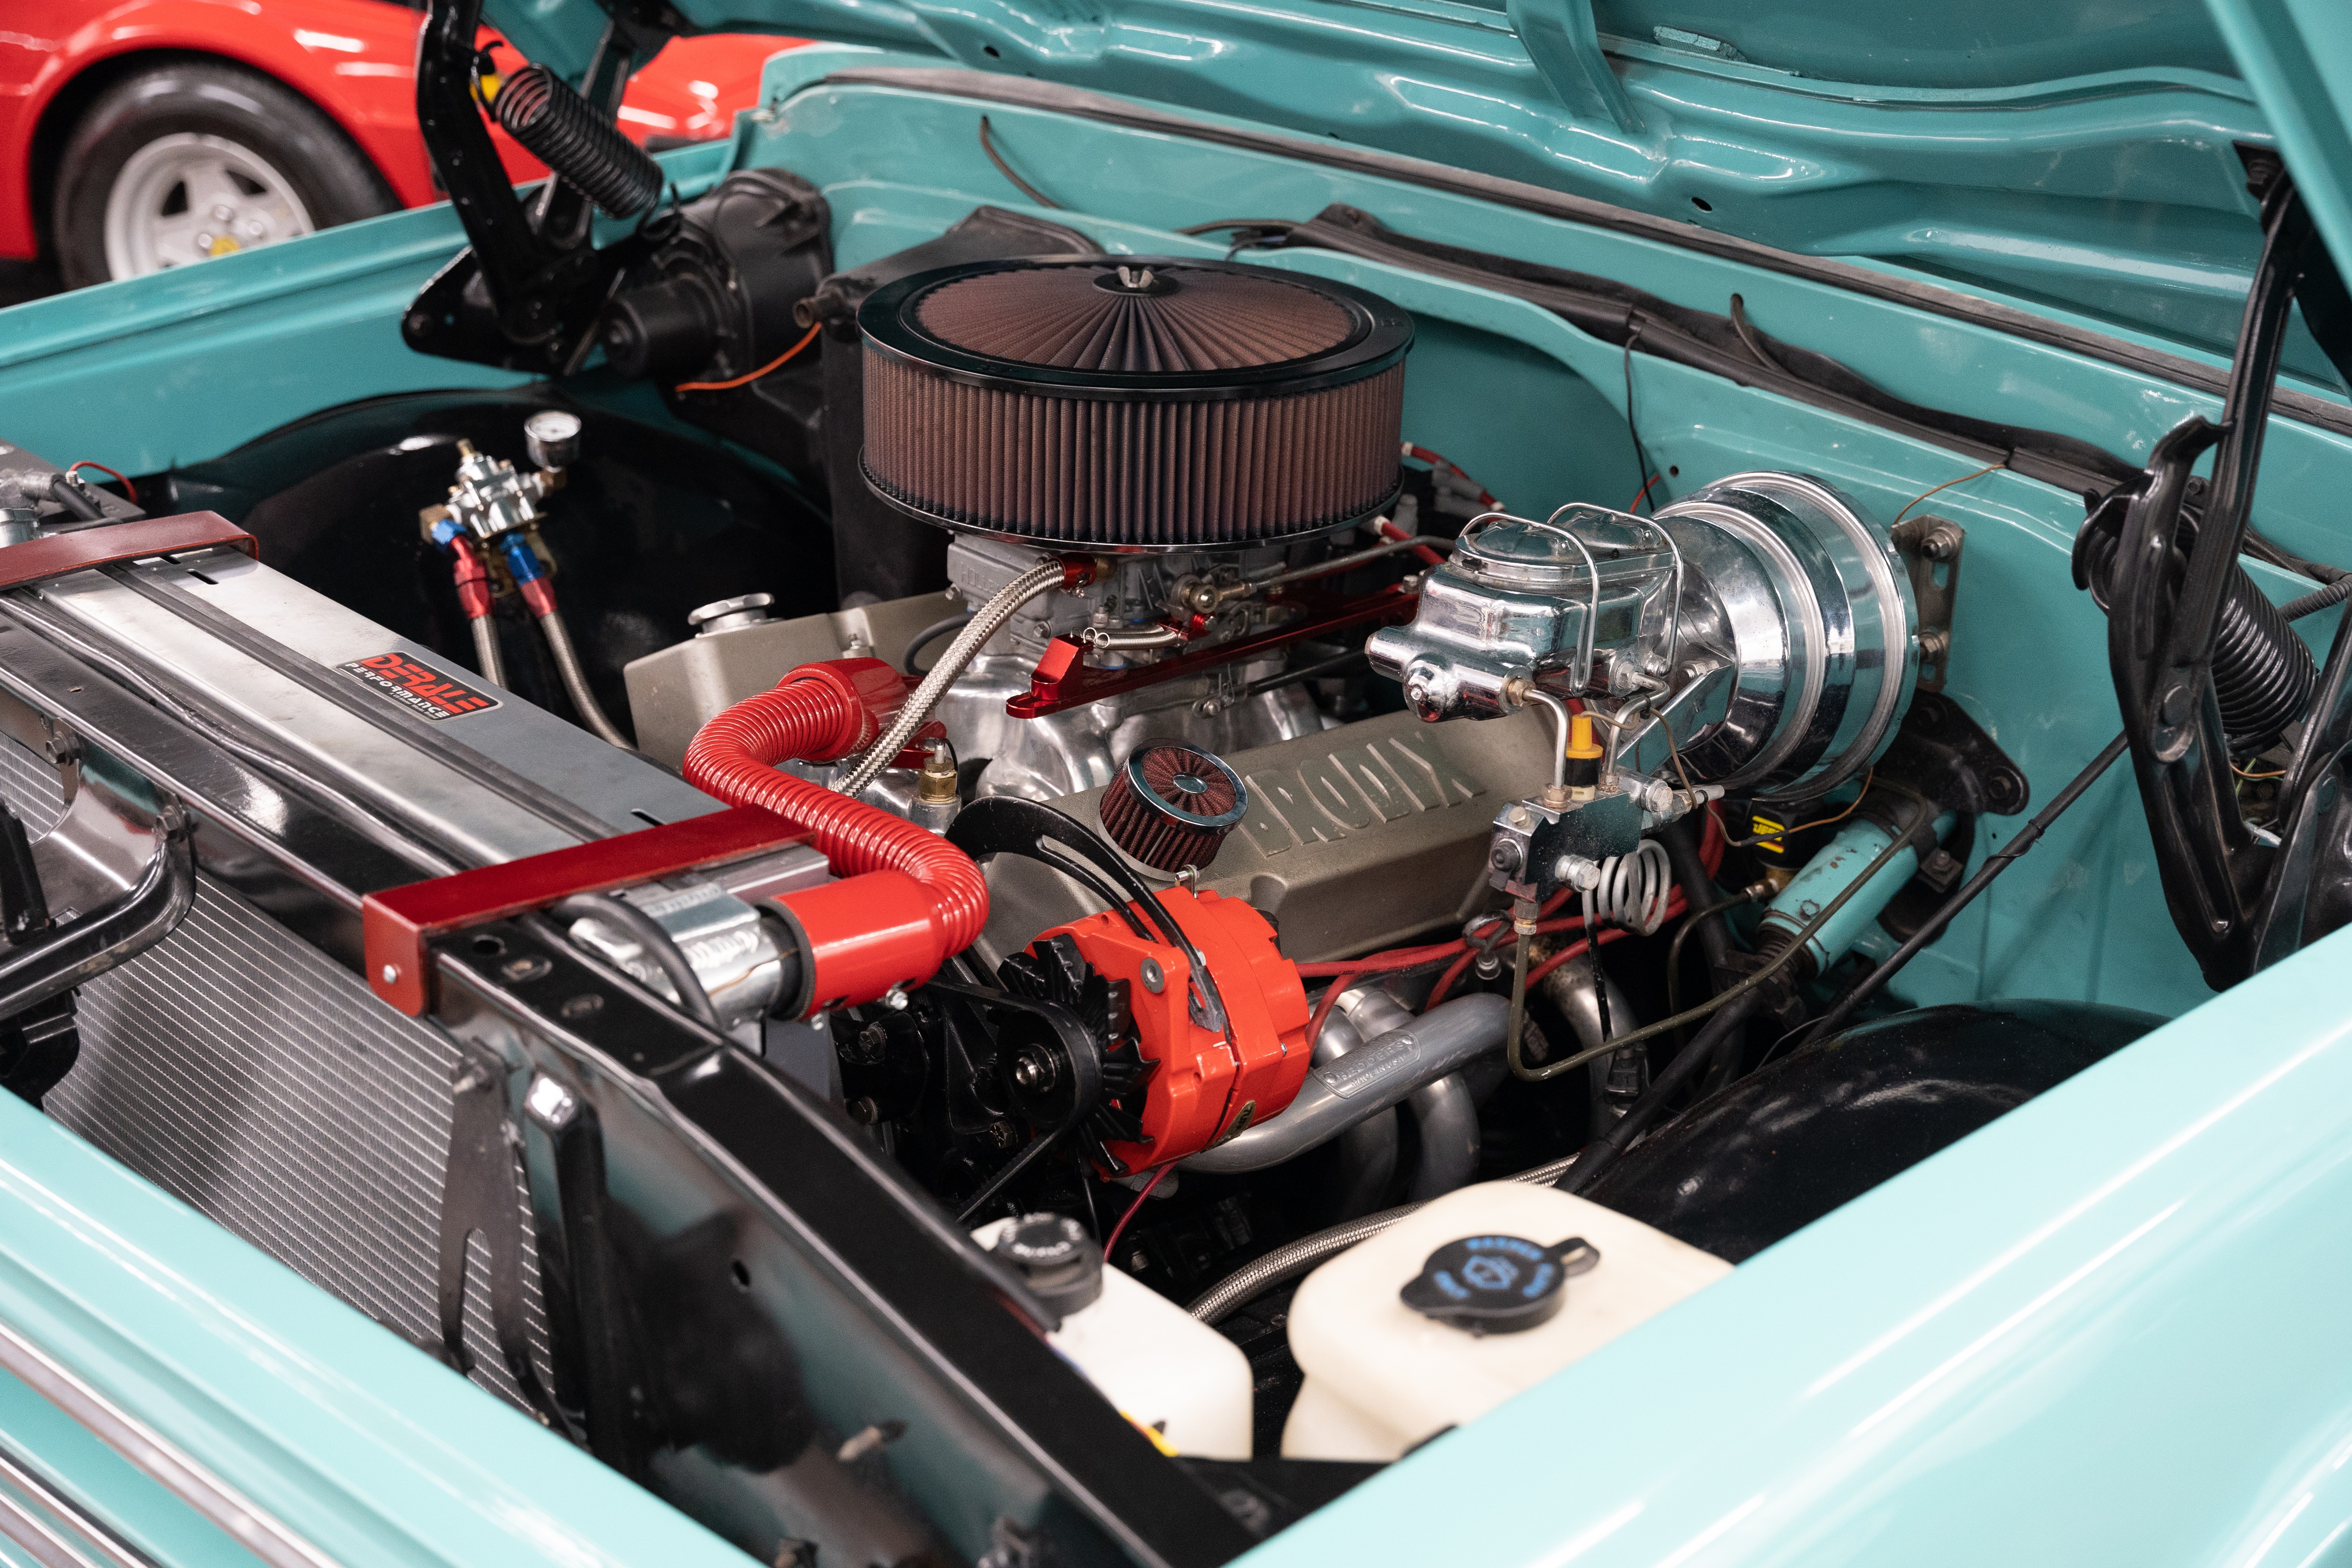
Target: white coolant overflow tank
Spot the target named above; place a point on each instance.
(1164, 1369)
(1459, 1306)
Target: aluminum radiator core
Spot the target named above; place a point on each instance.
(1132, 403)
(248, 1074)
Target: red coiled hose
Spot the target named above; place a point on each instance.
(908, 899)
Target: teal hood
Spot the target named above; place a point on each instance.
(2077, 155)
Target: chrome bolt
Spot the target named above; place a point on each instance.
(550, 1103)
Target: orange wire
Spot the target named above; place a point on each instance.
(1948, 484)
(806, 338)
(1817, 822)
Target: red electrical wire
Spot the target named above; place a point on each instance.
(1486, 500)
(130, 491)
(1120, 1229)
(1428, 555)
(1607, 934)
(1395, 958)
(806, 338)
(1330, 996)
(1642, 492)
(1444, 986)
(1345, 972)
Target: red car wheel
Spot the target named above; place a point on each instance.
(184, 161)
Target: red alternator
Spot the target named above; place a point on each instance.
(1209, 1084)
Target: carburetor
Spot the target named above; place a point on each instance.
(1758, 638)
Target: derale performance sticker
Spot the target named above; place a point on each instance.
(419, 688)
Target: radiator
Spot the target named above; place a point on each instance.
(248, 1074)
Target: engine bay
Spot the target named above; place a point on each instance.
(1041, 746)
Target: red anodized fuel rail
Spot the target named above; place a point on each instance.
(398, 923)
(1063, 679)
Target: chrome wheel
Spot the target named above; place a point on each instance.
(190, 197)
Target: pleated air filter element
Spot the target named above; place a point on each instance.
(1132, 402)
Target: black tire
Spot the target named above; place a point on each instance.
(265, 117)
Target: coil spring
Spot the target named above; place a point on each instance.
(1632, 890)
(2263, 673)
(559, 128)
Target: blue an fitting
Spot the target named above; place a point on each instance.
(1827, 874)
(448, 529)
(521, 559)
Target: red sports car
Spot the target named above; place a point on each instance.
(140, 134)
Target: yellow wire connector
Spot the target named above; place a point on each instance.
(1582, 773)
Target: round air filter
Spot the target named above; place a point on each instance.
(1172, 806)
(1132, 403)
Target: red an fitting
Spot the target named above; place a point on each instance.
(908, 899)
(473, 578)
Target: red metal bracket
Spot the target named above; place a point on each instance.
(55, 554)
(1062, 679)
(398, 923)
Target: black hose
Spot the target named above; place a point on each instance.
(2263, 673)
(1700, 892)
(1713, 1037)
(68, 494)
(1705, 902)
(931, 635)
(563, 131)
(659, 946)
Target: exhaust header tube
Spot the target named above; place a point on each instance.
(1364, 1082)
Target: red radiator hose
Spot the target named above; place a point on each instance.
(907, 898)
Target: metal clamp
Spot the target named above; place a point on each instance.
(397, 923)
(1931, 546)
(55, 554)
